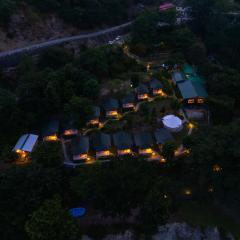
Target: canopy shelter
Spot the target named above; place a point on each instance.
(162, 136)
(26, 143)
(172, 123)
(80, 148)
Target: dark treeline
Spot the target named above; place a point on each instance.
(82, 13)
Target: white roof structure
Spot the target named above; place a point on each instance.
(26, 143)
(172, 123)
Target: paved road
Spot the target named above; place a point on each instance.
(51, 43)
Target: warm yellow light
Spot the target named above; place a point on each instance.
(128, 105)
(159, 92)
(112, 113)
(216, 168)
(163, 160)
(103, 153)
(143, 96)
(148, 67)
(124, 152)
(83, 156)
(145, 151)
(51, 138)
(190, 125)
(70, 132)
(210, 189)
(200, 100)
(94, 121)
(190, 101)
(188, 192)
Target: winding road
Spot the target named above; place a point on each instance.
(10, 56)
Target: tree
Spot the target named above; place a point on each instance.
(51, 221)
(197, 54)
(22, 190)
(48, 154)
(7, 7)
(168, 150)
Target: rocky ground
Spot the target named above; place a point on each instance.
(26, 27)
(175, 231)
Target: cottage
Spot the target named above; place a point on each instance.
(69, 128)
(144, 143)
(80, 149)
(25, 145)
(192, 92)
(142, 92)
(156, 87)
(101, 143)
(50, 131)
(162, 136)
(128, 102)
(123, 142)
(178, 77)
(94, 119)
(111, 107)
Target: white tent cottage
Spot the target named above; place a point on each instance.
(172, 123)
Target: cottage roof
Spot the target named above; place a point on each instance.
(26, 143)
(111, 104)
(155, 84)
(129, 98)
(190, 89)
(178, 77)
(122, 140)
(142, 89)
(80, 145)
(162, 135)
(143, 139)
(50, 128)
(100, 141)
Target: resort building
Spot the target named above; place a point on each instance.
(156, 87)
(123, 142)
(51, 130)
(111, 107)
(80, 149)
(166, 6)
(178, 77)
(142, 92)
(25, 145)
(101, 143)
(162, 136)
(192, 92)
(94, 119)
(128, 102)
(69, 128)
(144, 143)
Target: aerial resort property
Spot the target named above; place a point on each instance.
(84, 146)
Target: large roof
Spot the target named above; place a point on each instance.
(80, 145)
(111, 104)
(155, 84)
(129, 98)
(178, 77)
(26, 143)
(191, 89)
(100, 141)
(162, 135)
(143, 139)
(69, 124)
(142, 89)
(122, 140)
(51, 128)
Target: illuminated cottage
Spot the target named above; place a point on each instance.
(156, 87)
(94, 119)
(144, 143)
(101, 143)
(69, 128)
(111, 107)
(192, 92)
(142, 92)
(50, 131)
(128, 102)
(80, 149)
(123, 142)
(162, 136)
(25, 145)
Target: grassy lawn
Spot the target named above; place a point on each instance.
(208, 215)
